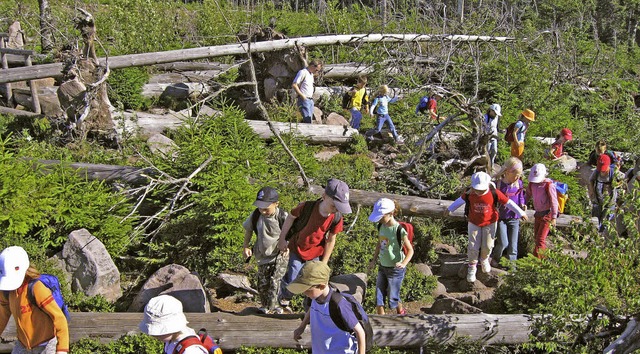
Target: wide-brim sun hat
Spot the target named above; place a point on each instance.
(312, 273)
(529, 115)
(382, 207)
(163, 315)
(480, 181)
(538, 173)
(14, 262)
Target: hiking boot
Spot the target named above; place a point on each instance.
(486, 267)
(471, 273)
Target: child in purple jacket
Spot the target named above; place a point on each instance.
(510, 184)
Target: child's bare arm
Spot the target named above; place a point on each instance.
(328, 247)
(246, 250)
(361, 337)
(282, 241)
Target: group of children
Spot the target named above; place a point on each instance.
(380, 108)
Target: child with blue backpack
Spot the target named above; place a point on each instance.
(380, 107)
(389, 253)
(40, 322)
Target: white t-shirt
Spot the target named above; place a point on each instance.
(304, 80)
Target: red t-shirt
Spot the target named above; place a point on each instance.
(432, 105)
(556, 147)
(481, 209)
(309, 243)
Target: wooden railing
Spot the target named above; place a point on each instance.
(26, 59)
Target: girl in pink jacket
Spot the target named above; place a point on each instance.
(545, 203)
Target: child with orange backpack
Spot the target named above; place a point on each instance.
(481, 209)
(393, 252)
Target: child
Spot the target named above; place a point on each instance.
(266, 222)
(482, 214)
(41, 327)
(509, 183)
(601, 148)
(389, 252)
(555, 152)
(545, 203)
(358, 102)
(164, 320)
(317, 237)
(326, 337)
(382, 101)
(490, 129)
(520, 129)
(603, 190)
(429, 105)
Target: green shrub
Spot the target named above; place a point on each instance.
(125, 88)
(128, 344)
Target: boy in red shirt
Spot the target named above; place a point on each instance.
(483, 219)
(316, 239)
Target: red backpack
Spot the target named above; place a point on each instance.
(202, 339)
(408, 228)
(508, 134)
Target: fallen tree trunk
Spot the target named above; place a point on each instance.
(124, 61)
(149, 124)
(233, 331)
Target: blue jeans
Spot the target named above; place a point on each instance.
(356, 118)
(382, 118)
(388, 285)
(306, 109)
(508, 230)
(293, 269)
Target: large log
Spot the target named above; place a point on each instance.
(233, 331)
(124, 61)
(149, 124)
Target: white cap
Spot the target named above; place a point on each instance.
(538, 173)
(14, 262)
(380, 208)
(480, 181)
(496, 108)
(163, 315)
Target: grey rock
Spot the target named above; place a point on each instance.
(423, 269)
(162, 145)
(354, 284)
(447, 304)
(336, 119)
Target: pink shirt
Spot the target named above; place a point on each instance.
(544, 196)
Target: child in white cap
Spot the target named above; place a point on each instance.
(545, 203)
(490, 129)
(482, 201)
(41, 327)
(164, 320)
(392, 259)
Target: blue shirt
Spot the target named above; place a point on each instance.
(383, 104)
(521, 129)
(326, 337)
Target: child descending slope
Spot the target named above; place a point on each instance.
(389, 252)
(481, 208)
(380, 106)
(545, 203)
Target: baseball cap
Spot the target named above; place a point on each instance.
(339, 192)
(567, 133)
(312, 273)
(496, 108)
(380, 208)
(604, 161)
(163, 315)
(480, 181)
(14, 263)
(529, 115)
(538, 173)
(265, 197)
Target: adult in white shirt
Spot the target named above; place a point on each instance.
(303, 86)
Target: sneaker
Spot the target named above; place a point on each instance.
(471, 273)
(486, 266)
(278, 311)
(263, 310)
(400, 140)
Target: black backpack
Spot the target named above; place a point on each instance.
(347, 98)
(301, 221)
(465, 197)
(358, 310)
(256, 215)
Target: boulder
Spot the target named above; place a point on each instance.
(424, 269)
(90, 267)
(317, 115)
(228, 284)
(566, 163)
(354, 284)
(444, 248)
(336, 119)
(162, 145)
(446, 304)
(439, 290)
(177, 281)
(327, 153)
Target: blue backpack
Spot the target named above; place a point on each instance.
(422, 105)
(53, 284)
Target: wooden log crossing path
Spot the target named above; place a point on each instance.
(410, 205)
(235, 330)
